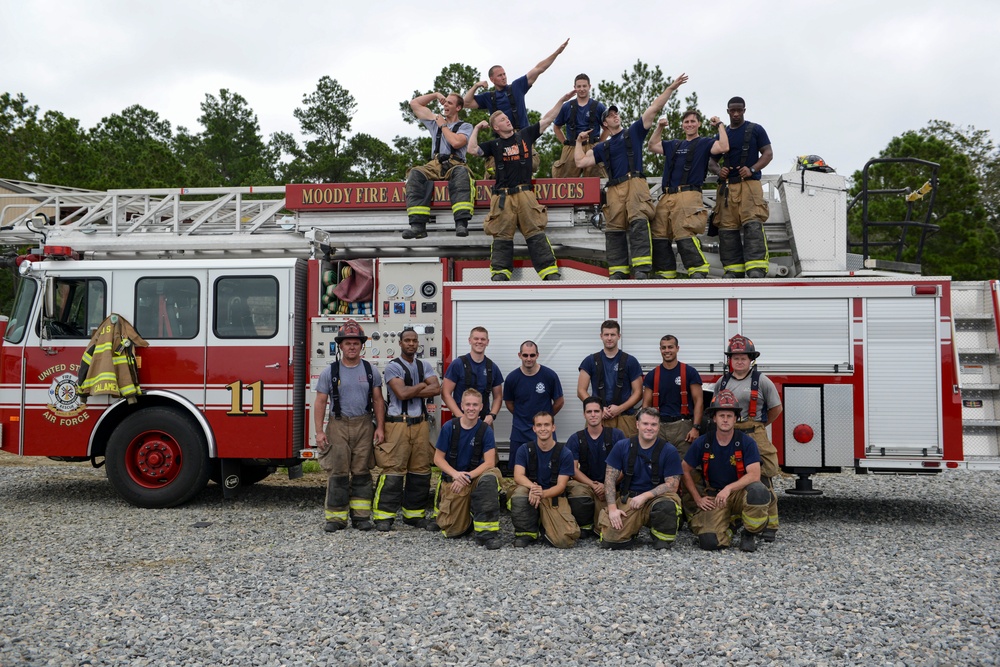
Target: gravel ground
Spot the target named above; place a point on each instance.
(878, 571)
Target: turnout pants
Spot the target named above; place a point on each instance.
(348, 463)
(680, 217)
(660, 515)
(625, 423)
(743, 207)
(478, 505)
(768, 464)
(405, 459)
(584, 504)
(627, 213)
(420, 190)
(676, 434)
(512, 212)
(565, 166)
(557, 522)
(749, 505)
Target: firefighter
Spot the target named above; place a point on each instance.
(629, 207)
(646, 492)
(590, 448)
(449, 137)
(513, 205)
(613, 376)
(760, 405)
(542, 470)
(740, 203)
(509, 98)
(405, 455)
(468, 492)
(674, 389)
(680, 213)
(576, 116)
(352, 387)
(474, 371)
(727, 465)
(529, 389)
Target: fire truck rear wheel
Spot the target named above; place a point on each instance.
(157, 458)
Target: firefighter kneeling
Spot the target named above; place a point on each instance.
(650, 470)
(469, 491)
(728, 487)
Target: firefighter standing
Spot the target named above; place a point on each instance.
(468, 493)
(541, 470)
(353, 386)
(590, 448)
(474, 371)
(646, 494)
(727, 464)
(760, 405)
(613, 376)
(407, 449)
(674, 389)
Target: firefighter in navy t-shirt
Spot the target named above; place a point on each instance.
(722, 474)
(590, 448)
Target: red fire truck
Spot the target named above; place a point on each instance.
(240, 293)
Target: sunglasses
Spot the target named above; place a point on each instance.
(527, 355)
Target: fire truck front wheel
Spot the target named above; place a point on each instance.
(157, 458)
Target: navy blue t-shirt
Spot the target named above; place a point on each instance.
(632, 371)
(566, 466)
(456, 373)
(722, 464)
(595, 452)
(466, 444)
(642, 479)
(670, 389)
(517, 89)
(585, 119)
(758, 140)
(619, 155)
(676, 150)
(530, 394)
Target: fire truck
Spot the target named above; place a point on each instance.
(240, 293)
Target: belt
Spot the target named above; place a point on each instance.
(448, 157)
(684, 188)
(510, 191)
(631, 174)
(409, 421)
(748, 429)
(671, 420)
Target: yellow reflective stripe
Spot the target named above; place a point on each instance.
(100, 377)
(437, 496)
(662, 536)
(376, 501)
(119, 359)
(128, 390)
(667, 275)
(752, 524)
(87, 358)
(548, 271)
(642, 260)
(735, 268)
(413, 514)
(531, 535)
(361, 504)
(758, 264)
(617, 269)
(102, 347)
(418, 210)
(462, 206)
(505, 272)
(486, 526)
(335, 515)
(589, 526)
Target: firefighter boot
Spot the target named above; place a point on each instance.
(361, 501)
(501, 259)
(542, 257)
(418, 491)
(419, 191)
(640, 242)
(616, 251)
(388, 498)
(755, 249)
(708, 541)
(693, 258)
(664, 261)
(337, 501)
(747, 541)
(525, 519)
(485, 506)
(462, 223)
(663, 517)
(582, 508)
(731, 253)
(460, 187)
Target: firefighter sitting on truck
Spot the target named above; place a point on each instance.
(449, 137)
(727, 466)
(352, 386)
(467, 496)
(760, 405)
(407, 449)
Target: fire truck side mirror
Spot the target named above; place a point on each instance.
(50, 298)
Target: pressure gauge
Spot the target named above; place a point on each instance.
(408, 291)
(391, 289)
(375, 351)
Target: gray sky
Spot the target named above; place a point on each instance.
(838, 79)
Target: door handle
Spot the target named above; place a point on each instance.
(274, 365)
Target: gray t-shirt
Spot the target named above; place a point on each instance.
(394, 370)
(444, 148)
(353, 387)
(741, 388)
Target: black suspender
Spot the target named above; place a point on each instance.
(616, 398)
(470, 380)
(408, 381)
(335, 389)
(584, 441)
(656, 475)
(513, 108)
(477, 444)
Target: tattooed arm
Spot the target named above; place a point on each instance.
(614, 514)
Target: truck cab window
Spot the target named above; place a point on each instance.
(167, 307)
(23, 304)
(80, 307)
(246, 307)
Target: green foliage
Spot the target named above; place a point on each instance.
(232, 142)
(633, 95)
(19, 137)
(966, 246)
(133, 149)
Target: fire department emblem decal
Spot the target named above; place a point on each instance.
(63, 397)
(540, 388)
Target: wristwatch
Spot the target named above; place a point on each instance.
(752, 170)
